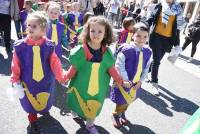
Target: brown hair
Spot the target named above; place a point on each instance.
(86, 16)
(127, 22)
(141, 26)
(108, 37)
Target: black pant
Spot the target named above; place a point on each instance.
(194, 45)
(5, 26)
(159, 45)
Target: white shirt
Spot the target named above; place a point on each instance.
(114, 5)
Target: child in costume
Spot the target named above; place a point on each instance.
(23, 15)
(75, 20)
(125, 35)
(86, 16)
(56, 28)
(92, 64)
(38, 5)
(133, 61)
(35, 66)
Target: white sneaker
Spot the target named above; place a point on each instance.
(154, 89)
(190, 59)
(4, 53)
(172, 59)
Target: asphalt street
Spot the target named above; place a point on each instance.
(179, 86)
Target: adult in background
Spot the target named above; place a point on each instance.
(8, 10)
(131, 9)
(99, 9)
(187, 19)
(193, 36)
(164, 21)
(113, 10)
(18, 23)
(87, 5)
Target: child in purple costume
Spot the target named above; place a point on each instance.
(133, 61)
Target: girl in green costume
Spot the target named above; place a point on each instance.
(92, 64)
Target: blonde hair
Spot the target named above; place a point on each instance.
(108, 36)
(40, 17)
(53, 5)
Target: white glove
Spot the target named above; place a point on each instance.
(15, 92)
(173, 55)
(19, 90)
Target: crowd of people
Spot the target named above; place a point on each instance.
(85, 29)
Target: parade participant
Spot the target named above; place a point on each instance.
(75, 21)
(125, 35)
(92, 64)
(133, 62)
(56, 28)
(86, 16)
(34, 69)
(23, 15)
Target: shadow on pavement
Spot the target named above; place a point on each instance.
(49, 125)
(179, 104)
(154, 101)
(135, 129)
(5, 65)
(60, 95)
(84, 130)
(194, 61)
(60, 99)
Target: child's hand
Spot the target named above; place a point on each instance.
(138, 85)
(17, 91)
(63, 82)
(127, 84)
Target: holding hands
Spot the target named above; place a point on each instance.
(129, 84)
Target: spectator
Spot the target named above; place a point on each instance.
(187, 20)
(132, 6)
(193, 36)
(8, 10)
(18, 22)
(113, 10)
(136, 15)
(99, 9)
(87, 5)
(150, 7)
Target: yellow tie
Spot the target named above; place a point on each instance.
(128, 40)
(54, 36)
(139, 68)
(37, 65)
(93, 87)
(76, 23)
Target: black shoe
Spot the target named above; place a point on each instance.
(124, 120)
(45, 114)
(34, 128)
(116, 121)
(80, 121)
(8, 51)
